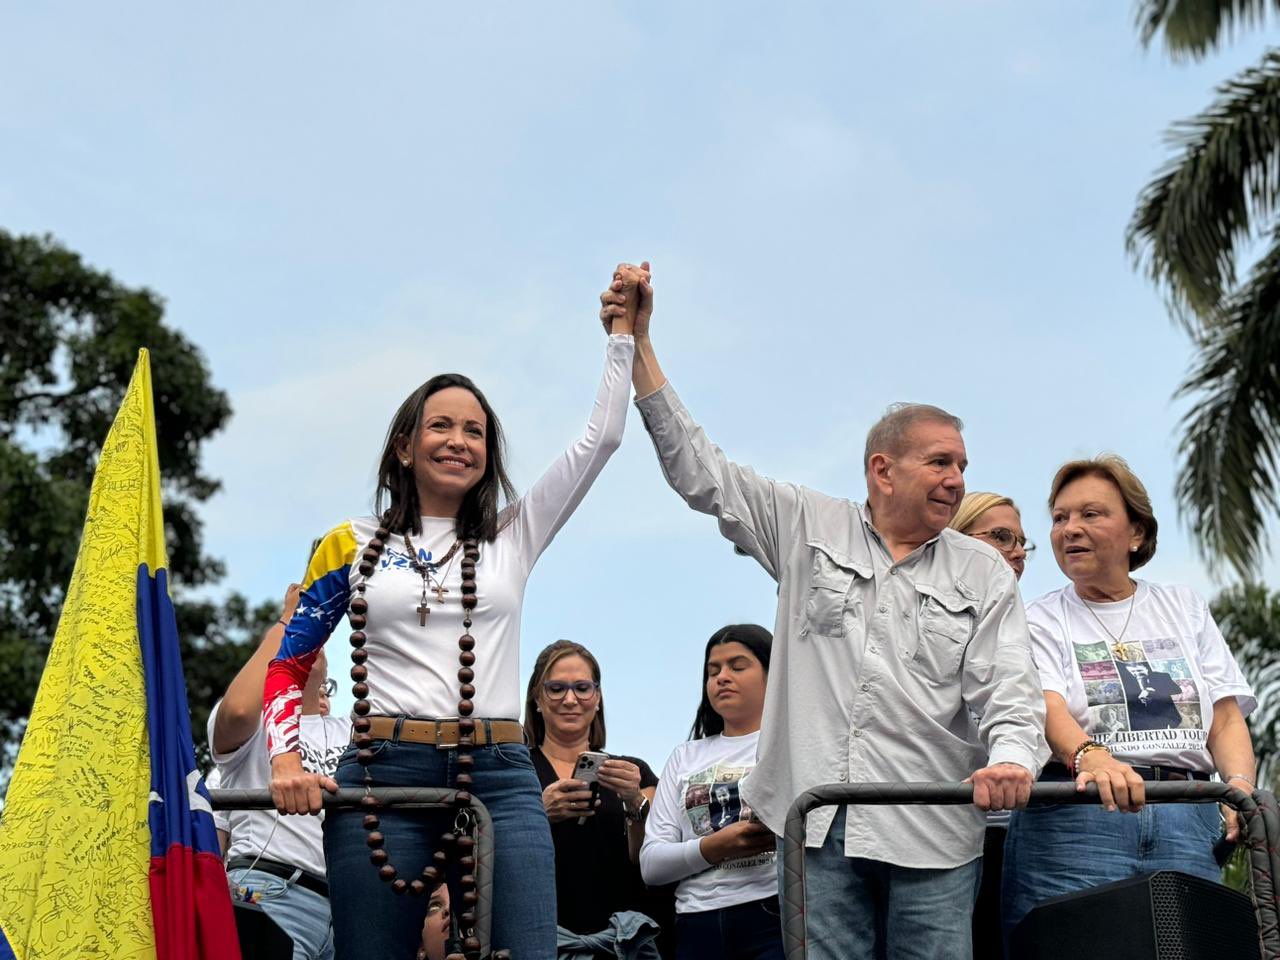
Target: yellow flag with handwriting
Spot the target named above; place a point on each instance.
(75, 845)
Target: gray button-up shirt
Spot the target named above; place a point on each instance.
(881, 671)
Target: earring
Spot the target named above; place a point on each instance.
(404, 463)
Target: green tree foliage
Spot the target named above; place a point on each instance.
(69, 336)
(1193, 28)
(1249, 617)
(1196, 225)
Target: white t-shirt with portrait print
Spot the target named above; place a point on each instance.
(1145, 690)
(699, 794)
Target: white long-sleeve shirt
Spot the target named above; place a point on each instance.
(698, 795)
(413, 669)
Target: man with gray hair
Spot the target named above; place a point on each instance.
(900, 653)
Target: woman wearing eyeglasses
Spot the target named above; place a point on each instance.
(702, 833)
(996, 520)
(596, 837)
(1139, 685)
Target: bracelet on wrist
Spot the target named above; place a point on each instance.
(1081, 750)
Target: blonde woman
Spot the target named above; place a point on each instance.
(994, 519)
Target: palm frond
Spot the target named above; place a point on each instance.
(1249, 617)
(1231, 448)
(1193, 28)
(1203, 205)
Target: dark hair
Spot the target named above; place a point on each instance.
(478, 514)
(756, 639)
(535, 727)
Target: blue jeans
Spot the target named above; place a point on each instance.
(744, 931)
(1062, 848)
(858, 909)
(301, 913)
(371, 921)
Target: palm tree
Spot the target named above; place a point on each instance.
(1195, 224)
(1249, 617)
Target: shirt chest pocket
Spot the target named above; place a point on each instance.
(944, 622)
(831, 582)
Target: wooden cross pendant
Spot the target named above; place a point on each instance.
(423, 611)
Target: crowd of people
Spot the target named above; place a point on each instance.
(901, 651)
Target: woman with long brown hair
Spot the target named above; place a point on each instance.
(434, 585)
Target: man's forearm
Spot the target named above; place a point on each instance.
(646, 374)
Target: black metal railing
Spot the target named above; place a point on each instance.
(1261, 828)
(402, 798)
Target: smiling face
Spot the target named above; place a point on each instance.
(735, 682)
(449, 456)
(916, 493)
(1092, 537)
(1007, 518)
(569, 720)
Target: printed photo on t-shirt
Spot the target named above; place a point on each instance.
(1113, 718)
(1135, 689)
(1104, 691)
(1149, 694)
(713, 801)
(1099, 670)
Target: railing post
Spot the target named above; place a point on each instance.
(1259, 812)
(412, 798)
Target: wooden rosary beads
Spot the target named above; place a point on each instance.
(459, 841)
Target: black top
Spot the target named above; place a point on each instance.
(595, 877)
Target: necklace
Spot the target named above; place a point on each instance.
(1116, 646)
(459, 842)
(427, 570)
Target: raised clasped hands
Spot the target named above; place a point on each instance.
(625, 308)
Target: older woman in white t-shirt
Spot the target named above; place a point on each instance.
(1139, 686)
(700, 832)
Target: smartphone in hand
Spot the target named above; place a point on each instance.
(587, 769)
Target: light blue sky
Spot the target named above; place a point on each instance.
(845, 205)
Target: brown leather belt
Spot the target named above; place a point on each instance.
(443, 733)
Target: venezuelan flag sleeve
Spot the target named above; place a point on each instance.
(107, 845)
(325, 593)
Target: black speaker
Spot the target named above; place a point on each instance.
(1154, 916)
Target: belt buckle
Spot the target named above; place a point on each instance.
(438, 721)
